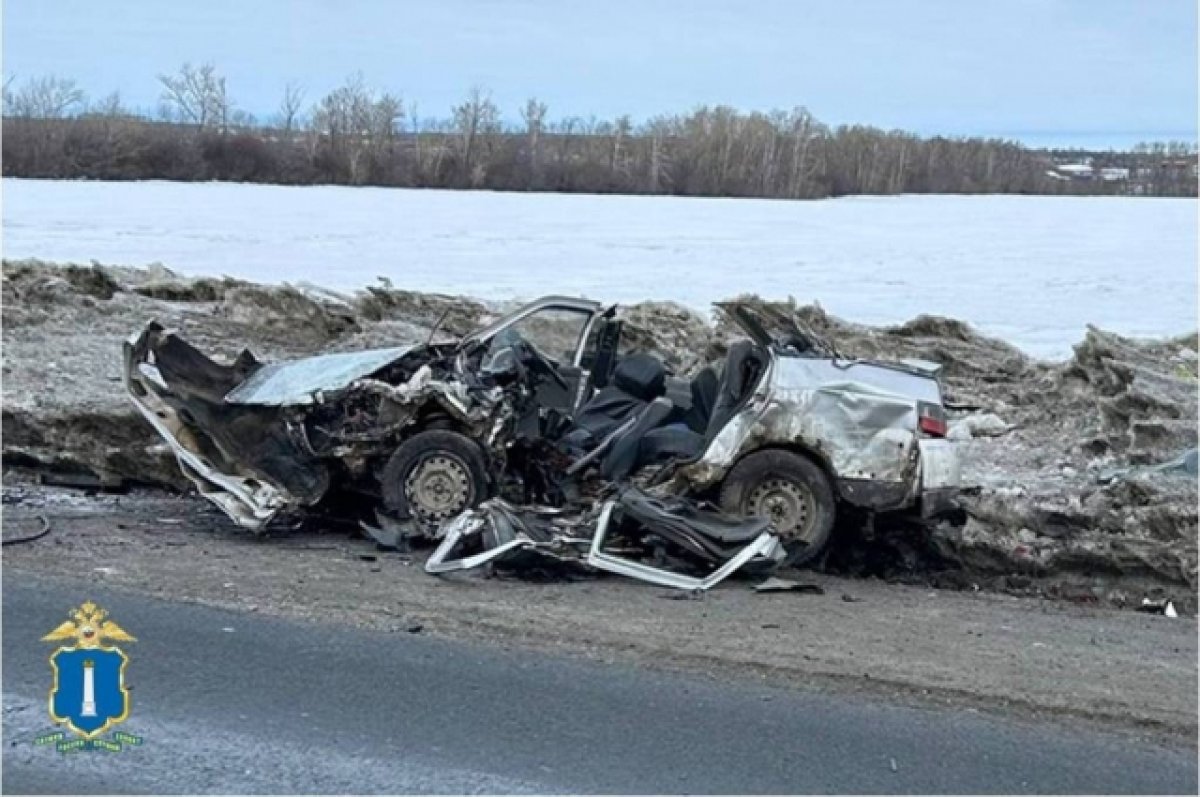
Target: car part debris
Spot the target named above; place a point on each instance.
(389, 534)
(703, 539)
(485, 534)
(637, 524)
(1163, 607)
(775, 584)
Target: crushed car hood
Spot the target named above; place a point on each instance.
(298, 382)
(234, 427)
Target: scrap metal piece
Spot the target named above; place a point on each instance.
(774, 584)
(389, 533)
(502, 528)
(468, 524)
(765, 546)
(497, 529)
(248, 502)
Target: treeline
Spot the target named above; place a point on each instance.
(357, 135)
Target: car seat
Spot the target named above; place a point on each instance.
(637, 380)
(650, 433)
(704, 388)
(714, 402)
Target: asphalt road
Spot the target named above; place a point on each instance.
(230, 702)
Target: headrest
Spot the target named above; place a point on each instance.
(641, 376)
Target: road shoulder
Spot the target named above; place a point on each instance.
(1025, 657)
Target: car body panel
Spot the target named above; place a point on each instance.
(250, 497)
(295, 382)
(247, 500)
(858, 419)
(940, 465)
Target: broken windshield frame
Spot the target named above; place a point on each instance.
(486, 333)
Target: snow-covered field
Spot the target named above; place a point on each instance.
(1033, 270)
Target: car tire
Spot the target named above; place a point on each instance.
(790, 488)
(433, 476)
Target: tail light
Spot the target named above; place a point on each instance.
(931, 419)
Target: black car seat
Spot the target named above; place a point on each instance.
(656, 431)
(637, 380)
(624, 454)
(713, 404)
(704, 387)
(743, 364)
(641, 375)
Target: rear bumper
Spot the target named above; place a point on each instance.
(932, 492)
(876, 495)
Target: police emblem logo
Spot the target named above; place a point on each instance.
(89, 695)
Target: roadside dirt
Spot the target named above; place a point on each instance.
(1032, 657)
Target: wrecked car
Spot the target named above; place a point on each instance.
(543, 409)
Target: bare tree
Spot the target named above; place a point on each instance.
(197, 96)
(657, 130)
(475, 121)
(801, 124)
(359, 127)
(340, 118)
(46, 97)
(534, 114)
(110, 107)
(290, 105)
(8, 95)
(621, 131)
(418, 162)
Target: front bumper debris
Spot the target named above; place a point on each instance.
(249, 502)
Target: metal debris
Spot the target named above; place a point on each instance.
(775, 584)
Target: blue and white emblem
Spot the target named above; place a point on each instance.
(89, 695)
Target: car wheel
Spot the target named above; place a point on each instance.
(433, 476)
(789, 489)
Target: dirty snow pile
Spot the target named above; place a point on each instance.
(1082, 467)
(1080, 473)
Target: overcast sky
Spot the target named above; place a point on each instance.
(1096, 72)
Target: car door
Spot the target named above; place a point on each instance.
(560, 327)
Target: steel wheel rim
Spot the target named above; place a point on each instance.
(789, 506)
(439, 487)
